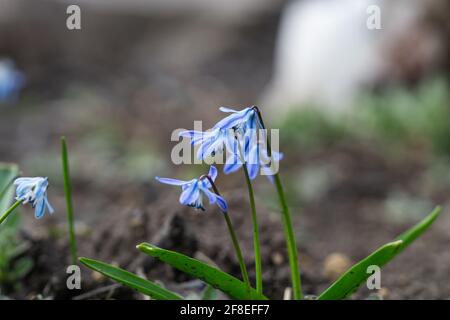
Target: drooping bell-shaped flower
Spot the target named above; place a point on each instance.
(243, 137)
(34, 191)
(194, 190)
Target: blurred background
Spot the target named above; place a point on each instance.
(363, 113)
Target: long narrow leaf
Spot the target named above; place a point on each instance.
(357, 274)
(350, 281)
(412, 234)
(69, 202)
(131, 280)
(230, 285)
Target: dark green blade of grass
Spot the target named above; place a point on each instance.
(130, 280)
(68, 196)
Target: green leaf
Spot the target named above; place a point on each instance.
(357, 274)
(12, 268)
(7, 174)
(69, 202)
(218, 279)
(350, 281)
(412, 234)
(131, 280)
(21, 268)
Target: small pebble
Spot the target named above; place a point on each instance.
(277, 258)
(97, 277)
(335, 265)
(384, 292)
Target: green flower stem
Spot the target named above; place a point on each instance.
(237, 248)
(287, 223)
(290, 240)
(69, 203)
(256, 241)
(10, 210)
(234, 239)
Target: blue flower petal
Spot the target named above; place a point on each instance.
(277, 156)
(222, 203)
(253, 156)
(230, 121)
(212, 197)
(253, 170)
(195, 136)
(174, 182)
(228, 110)
(253, 161)
(202, 150)
(41, 188)
(268, 173)
(39, 209)
(231, 167)
(215, 147)
(232, 164)
(212, 173)
(190, 194)
(49, 207)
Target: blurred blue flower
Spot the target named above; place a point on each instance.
(34, 191)
(11, 81)
(193, 191)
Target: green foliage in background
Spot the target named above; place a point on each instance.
(396, 118)
(12, 265)
(400, 116)
(7, 174)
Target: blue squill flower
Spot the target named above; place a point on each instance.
(250, 140)
(11, 81)
(34, 191)
(241, 125)
(194, 190)
(240, 135)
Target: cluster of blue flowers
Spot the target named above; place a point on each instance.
(34, 191)
(236, 134)
(239, 136)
